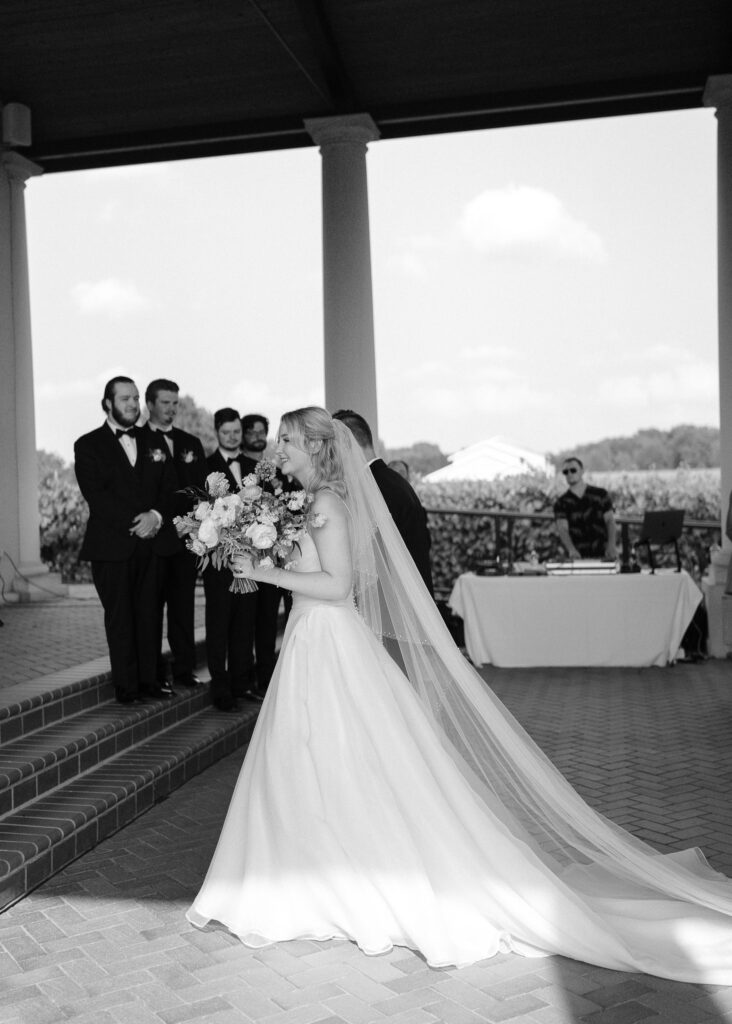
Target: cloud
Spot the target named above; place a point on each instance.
(514, 221)
(411, 254)
(474, 382)
(111, 296)
(258, 396)
(683, 381)
(80, 387)
(491, 353)
(522, 220)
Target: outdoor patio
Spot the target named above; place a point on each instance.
(105, 939)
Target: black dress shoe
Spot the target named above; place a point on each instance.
(190, 679)
(251, 695)
(224, 702)
(163, 691)
(122, 697)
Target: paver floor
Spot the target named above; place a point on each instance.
(106, 941)
(45, 638)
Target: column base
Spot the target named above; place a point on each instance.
(35, 583)
(719, 605)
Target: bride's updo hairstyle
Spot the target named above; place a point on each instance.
(313, 428)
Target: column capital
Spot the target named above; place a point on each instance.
(17, 167)
(718, 91)
(327, 131)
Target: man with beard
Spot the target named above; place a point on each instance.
(230, 617)
(255, 429)
(126, 479)
(178, 570)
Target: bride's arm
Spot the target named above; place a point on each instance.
(333, 581)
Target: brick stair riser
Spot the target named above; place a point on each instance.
(30, 713)
(87, 751)
(47, 849)
(44, 709)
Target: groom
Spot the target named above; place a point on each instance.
(405, 507)
(127, 479)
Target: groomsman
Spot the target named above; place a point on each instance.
(255, 429)
(126, 479)
(230, 617)
(401, 499)
(178, 570)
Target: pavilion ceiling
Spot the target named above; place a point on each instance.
(129, 81)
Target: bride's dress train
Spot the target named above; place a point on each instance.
(350, 819)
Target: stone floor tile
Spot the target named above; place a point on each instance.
(625, 1013)
(353, 1010)
(201, 1011)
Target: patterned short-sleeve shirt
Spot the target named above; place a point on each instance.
(586, 519)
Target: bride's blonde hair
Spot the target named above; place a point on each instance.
(313, 426)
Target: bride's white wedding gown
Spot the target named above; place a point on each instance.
(350, 820)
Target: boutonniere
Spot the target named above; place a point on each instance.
(188, 456)
(157, 455)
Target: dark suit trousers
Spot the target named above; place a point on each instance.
(230, 622)
(128, 591)
(265, 631)
(178, 590)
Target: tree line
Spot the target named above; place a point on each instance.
(682, 447)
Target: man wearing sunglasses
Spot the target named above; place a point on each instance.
(584, 516)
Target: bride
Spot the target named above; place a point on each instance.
(388, 797)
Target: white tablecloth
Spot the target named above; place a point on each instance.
(635, 619)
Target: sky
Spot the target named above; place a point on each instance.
(551, 284)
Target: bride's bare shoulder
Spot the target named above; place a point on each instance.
(329, 504)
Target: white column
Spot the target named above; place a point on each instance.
(350, 364)
(718, 93)
(19, 518)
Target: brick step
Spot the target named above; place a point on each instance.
(32, 705)
(40, 761)
(41, 837)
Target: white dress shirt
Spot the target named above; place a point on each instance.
(127, 441)
(234, 467)
(167, 434)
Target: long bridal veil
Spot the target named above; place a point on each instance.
(497, 758)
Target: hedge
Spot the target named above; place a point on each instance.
(469, 543)
(459, 543)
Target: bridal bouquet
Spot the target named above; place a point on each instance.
(260, 520)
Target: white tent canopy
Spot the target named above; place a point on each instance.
(486, 460)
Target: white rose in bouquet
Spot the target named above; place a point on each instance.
(225, 510)
(250, 492)
(262, 535)
(197, 547)
(217, 485)
(208, 534)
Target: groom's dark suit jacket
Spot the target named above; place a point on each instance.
(116, 492)
(408, 514)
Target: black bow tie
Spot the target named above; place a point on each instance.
(234, 458)
(130, 432)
